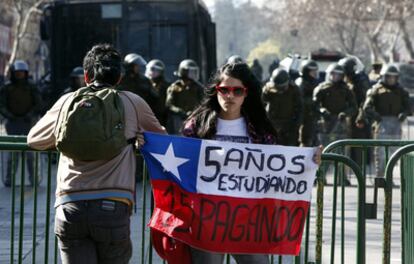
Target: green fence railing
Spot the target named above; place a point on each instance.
(15, 146)
(388, 202)
(407, 207)
(405, 146)
(311, 251)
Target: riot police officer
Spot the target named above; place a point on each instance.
(184, 95)
(155, 73)
(19, 102)
(335, 104)
(135, 81)
(387, 104)
(307, 82)
(359, 83)
(356, 78)
(76, 81)
(284, 107)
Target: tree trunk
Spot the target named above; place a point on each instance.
(21, 28)
(406, 38)
(16, 44)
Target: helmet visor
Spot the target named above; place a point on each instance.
(390, 80)
(336, 77)
(314, 74)
(193, 73)
(153, 72)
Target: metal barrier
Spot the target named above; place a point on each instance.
(388, 201)
(339, 176)
(380, 182)
(17, 144)
(407, 203)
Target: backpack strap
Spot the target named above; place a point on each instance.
(132, 140)
(60, 111)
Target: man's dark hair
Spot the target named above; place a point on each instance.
(103, 64)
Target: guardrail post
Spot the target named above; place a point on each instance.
(386, 250)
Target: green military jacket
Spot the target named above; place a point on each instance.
(160, 89)
(359, 85)
(19, 100)
(283, 107)
(182, 99)
(140, 85)
(384, 101)
(336, 98)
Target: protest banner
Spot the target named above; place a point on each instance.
(230, 197)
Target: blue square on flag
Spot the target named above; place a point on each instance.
(177, 156)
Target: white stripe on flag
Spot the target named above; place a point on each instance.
(255, 171)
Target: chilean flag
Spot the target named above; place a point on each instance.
(230, 197)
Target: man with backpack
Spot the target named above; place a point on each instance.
(95, 129)
(19, 104)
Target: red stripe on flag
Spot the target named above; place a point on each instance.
(227, 224)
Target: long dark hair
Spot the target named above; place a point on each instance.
(205, 116)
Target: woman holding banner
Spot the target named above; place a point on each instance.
(231, 111)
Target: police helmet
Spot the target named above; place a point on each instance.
(133, 58)
(307, 66)
(188, 69)
(77, 72)
(390, 70)
(389, 75)
(235, 59)
(19, 65)
(337, 69)
(280, 77)
(154, 69)
(349, 64)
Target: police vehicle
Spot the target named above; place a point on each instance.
(169, 30)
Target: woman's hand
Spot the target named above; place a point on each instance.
(317, 155)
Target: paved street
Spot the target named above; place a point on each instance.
(374, 227)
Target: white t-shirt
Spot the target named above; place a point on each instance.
(232, 130)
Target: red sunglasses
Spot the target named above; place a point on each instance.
(236, 90)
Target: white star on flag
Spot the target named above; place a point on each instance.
(169, 161)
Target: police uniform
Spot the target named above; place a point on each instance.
(140, 85)
(160, 87)
(19, 104)
(284, 110)
(387, 107)
(182, 98)
(307, 129)
(335, 98)
(359, 84)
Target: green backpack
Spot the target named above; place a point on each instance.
(91, 125)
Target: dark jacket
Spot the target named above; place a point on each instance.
(335, 98)
(19, 100)
(385, 101)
